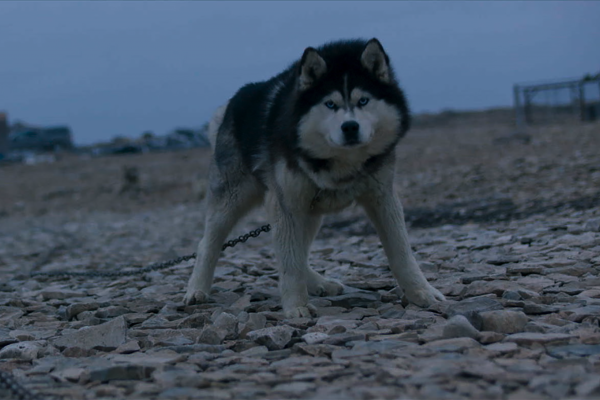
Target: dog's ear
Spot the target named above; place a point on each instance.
(312, 67)
(375, 60)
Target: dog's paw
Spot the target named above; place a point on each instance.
(325, 287)
(297, 312)
(424, 297)
(195, 297)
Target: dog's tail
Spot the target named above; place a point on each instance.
(215, 124)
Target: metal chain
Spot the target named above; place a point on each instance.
(152, 267)
(19, 392)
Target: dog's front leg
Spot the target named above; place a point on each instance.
(385, 211)
(223, 209)
(293, 234)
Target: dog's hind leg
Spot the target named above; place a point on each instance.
(385, 211)
(226, 204)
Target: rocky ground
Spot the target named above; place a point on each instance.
(506, 225)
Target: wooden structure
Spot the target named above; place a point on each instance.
(3, 134)
(563, 101)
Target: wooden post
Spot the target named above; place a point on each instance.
(3, 134)
(581, 101)
(527, 106)
(517, 105)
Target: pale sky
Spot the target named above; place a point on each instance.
(122, 68)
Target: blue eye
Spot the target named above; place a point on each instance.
(363, 101)
(330, 104)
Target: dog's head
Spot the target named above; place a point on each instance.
(348, 100)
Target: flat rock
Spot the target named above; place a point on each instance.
(274, 338)
(580, 313)
(25, 351)
(212, 335)
(153, 359)
(452, 345)
(60, 293)
(5, 337)
(382, 346)
(459, 326)
(529, 338)
(314, 337)
(107, 336)
(74, 309)
(503, 348)
(121, 372)
(592, 225)
(479, 288)
(357, 299)
(503, 321)
(471, 308)
(579, 350)
(228, 323)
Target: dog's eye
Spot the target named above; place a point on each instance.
(330, 104)
(363, 101)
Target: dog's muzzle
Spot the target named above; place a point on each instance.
(350, 130)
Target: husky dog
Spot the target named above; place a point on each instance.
(314, 139)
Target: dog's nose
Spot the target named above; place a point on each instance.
(350, 129)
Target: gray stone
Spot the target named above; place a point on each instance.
(497, 287)
(121, 372)
(579, 350)
(74, 309)
(8, 315)
(275, 338)
(212, 335)
(112, 312)
(503, 348)
(294, 388)
(503, 321)
(26, 351)
(157, 322)
(314, 337)
(152, 359)
(524, 269)
(529, 338)
(503, 260)
(592, 225)
(511, 295)
(228, 323)
(344, 338)
(107, 336)
(5, 337)
(531, 308)
(357, 299)
(129, 347)
(487, 337)
(194, 321)
(580, 313)
(459, 326)
(590, 386)
(59, 293)
(256, 321)
(382, 346)
(471, 308)
(178, 378)
(452, 345)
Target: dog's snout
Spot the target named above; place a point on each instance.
(350, 127)
(350, 130)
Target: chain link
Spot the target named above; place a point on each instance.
(152, 267)
(19, 392)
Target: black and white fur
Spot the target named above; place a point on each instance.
(311, 140)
